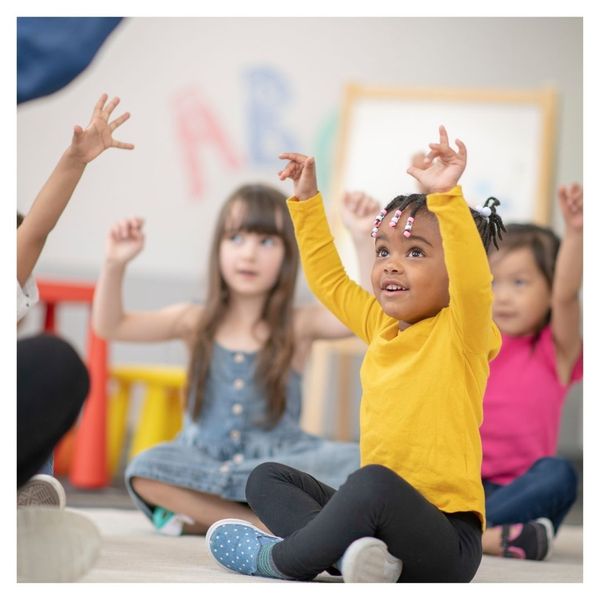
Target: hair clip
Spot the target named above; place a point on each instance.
(395, 218)
(408, 226)
(484, 211)
(380, 217)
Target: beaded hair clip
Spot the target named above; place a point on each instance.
(395, 218)
(408, 227)
(377, 222)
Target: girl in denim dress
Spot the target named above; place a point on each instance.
(248, 346)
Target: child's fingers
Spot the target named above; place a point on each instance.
(443, 136)
(111, 106)
(414, 171)
(293, 156)
(576, 191)
(122, 145)
(433, 153)
(290, 170)
(119, 121)
(364, 205)
(136, 226)
(562, 193)
(77, 132)
(99, 105)
(462, 149)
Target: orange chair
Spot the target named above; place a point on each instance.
(88, 464)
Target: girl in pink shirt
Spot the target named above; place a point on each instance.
(536, 307)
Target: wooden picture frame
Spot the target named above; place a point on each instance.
(509, 134)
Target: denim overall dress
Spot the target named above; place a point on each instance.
(216, 453)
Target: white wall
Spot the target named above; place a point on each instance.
(236, 67)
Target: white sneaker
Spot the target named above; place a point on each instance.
(42, 490)
(367, 560)
(54, 545)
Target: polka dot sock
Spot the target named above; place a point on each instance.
(240, 547)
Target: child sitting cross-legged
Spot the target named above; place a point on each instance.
(415, 510)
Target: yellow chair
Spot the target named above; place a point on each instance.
(161, 415)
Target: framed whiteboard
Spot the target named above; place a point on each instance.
(509, 135)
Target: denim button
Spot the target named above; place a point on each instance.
(238, 458)
(224, 468)
(238, 384)
(238, 357)
(235, 435)
(237, 409)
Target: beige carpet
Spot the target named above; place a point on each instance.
(133, 552)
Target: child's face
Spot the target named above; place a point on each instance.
(521, 293)
(409, 275)
(250, 262)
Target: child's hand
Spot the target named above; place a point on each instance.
(570, 199)
(443, 166)
(88, 143)
(125, 240)
(358, 213)
(301, 170)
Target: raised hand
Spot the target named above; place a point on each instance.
(358, 211)
(90, 142)
(570, 199)
(301, 170)
(443, 166)
(125, 240)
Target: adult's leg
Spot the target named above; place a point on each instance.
(374, 502)
(548, 489)
(52, 384)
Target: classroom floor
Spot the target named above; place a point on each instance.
(133, 552)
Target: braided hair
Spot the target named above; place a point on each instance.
(488, 221)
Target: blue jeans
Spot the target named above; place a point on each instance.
(548, 489)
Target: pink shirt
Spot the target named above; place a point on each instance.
(522, 406)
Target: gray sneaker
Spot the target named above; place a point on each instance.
(42, 490)
(367, 560)
(54, 545)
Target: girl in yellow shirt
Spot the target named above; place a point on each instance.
(415, 509)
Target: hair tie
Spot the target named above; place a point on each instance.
(408, 226)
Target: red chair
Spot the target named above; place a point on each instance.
(88, 464)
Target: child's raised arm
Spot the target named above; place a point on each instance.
(52, 199)
(566, 310)
(350, 303)
(465, 257)
(124, 242)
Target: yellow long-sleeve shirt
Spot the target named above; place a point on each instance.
(422, 388)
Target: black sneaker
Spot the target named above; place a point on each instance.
(533, 542)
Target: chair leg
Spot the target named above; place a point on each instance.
(153, 426)
(175, 412)
(118, 406)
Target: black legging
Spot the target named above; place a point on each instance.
(318, 523)
(52, 384)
